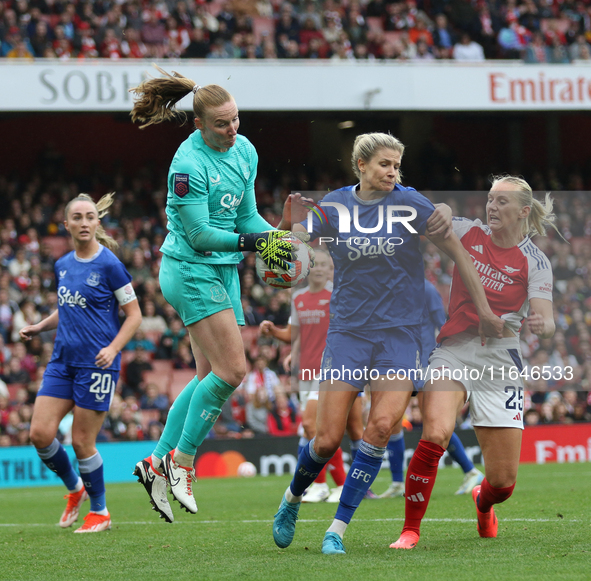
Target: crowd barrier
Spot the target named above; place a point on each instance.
(21, 467)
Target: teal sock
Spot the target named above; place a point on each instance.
(176, 420)
(206, 406)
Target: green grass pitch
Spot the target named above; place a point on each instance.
(544, 533)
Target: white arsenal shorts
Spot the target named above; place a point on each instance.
(491, 375)
(309, 390)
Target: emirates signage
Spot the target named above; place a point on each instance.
(304, 85)
(541, 88)
(556, 443)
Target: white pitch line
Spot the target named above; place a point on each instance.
(267, 521)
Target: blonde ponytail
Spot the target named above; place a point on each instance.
(540, 216)
(157, 98)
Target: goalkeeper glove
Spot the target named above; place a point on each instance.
(275, 250)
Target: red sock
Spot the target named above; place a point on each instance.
(321, 478)
(489, 495)
(420, 478)
(336, 468)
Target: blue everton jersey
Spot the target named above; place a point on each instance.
(88, 308)
(379, 278)
(433, 318)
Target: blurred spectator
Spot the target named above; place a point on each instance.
(153, 400)
(5, 355)
(28, 362)
(12, 40)
(140, 340)
(198, 47)
(225, 426)
(110, 47)
(177, 38)
(151, 321)
(3, 394)
(531, 417)
(139, 269)
(467, 49)
(15, 372)
(134, 372)
(153, 35)
(62, 45)
(20, 51)
(580, 49)
(155, 430)
(184, 357)
(423, 53)
(132, 46)
(19, 263)
(261, 377)
(443, 37)
(277, 312)
(512, 40)
(8, 308)
(283, 420)
(88, 48)
(257, 411)
(26, 315)
(169, 342)
(41, 38)
(537, 51)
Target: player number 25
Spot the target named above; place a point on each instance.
(511, 404)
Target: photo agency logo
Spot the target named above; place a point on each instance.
(353, 233)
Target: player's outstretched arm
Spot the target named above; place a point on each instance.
(295, 211)
(490, 324)
(47, 324)
(268, 328)
(439, 223)
(133, 319)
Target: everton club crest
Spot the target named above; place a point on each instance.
(93, 279)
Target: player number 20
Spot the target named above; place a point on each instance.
(101, 383)
(511, 403)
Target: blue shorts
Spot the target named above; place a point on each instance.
(88, 388)
(357, 357)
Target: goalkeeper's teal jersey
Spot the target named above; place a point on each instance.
(219, 186)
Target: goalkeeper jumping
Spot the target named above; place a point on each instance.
(212, 218)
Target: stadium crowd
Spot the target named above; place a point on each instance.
(32, 235)
(536, 31)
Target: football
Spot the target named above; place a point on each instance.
(281, 278)
(247, 469)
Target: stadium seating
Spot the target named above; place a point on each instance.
(58, 245)
(180, 378)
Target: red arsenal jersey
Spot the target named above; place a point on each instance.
(310, 312)
(510, 277)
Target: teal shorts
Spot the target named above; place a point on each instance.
(197, 291)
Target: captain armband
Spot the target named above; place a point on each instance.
(125, 294)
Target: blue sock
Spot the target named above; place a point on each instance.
(457, 452)
(396, 456)
(56, 459)
(308, 468)
(91, 471)
(354, 449)
(361, 475)
(302, 444)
